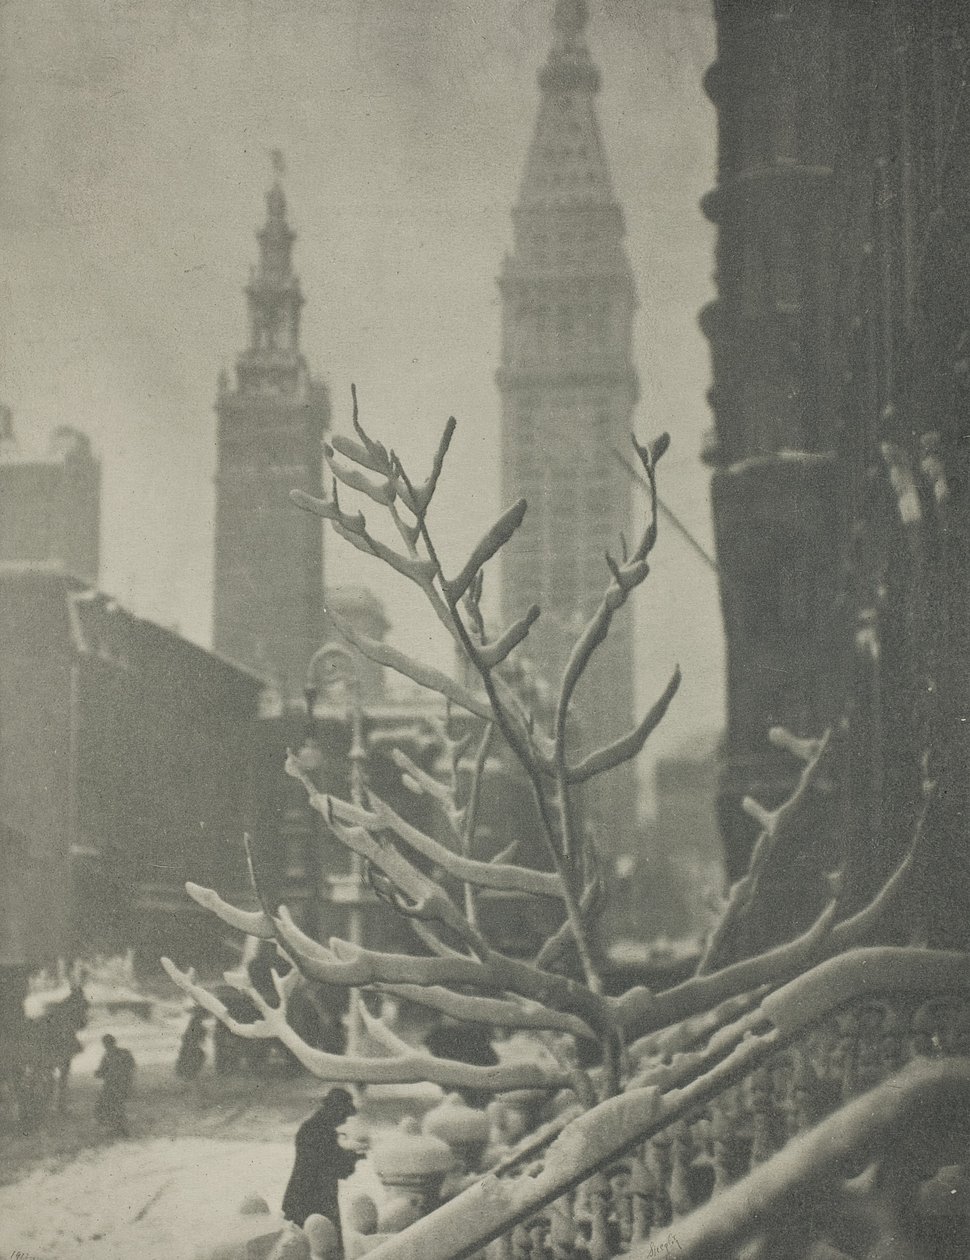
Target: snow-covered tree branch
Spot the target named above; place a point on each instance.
(434, 883)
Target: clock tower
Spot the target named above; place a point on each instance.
(268, 554)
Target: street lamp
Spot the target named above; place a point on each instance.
(335, 664)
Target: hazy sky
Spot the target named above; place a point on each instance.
(133, 166)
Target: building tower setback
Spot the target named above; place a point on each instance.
(268, 608)
(568, 389)
(50, 504)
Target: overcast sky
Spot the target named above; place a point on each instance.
(134, 151)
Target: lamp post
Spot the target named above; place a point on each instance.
(342, 668)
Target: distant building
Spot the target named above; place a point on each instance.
(268, 608)
(568, 390)
(125, 770)
(50, 504)
(686, 852)
(673, 880)
(359, 607)
(303, 862)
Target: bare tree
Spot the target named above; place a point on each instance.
(461, 974)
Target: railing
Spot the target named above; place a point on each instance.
(884, 1175)
(747, 1109)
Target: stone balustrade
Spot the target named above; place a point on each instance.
(636, 1204)
(696, 1124)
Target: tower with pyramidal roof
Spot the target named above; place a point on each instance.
(568, 389)
(268, 554)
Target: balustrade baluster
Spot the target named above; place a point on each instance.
(926, 1030)
(521, 1243)
(844, 1054)
(765, 1127)
(892, 1048)
(562, 1229)
(681, 1156)
(660, 1167)
(642, 1191)
(723, 1143)
(621, 1202)
(870, 1019)
(599, 1205)
(538, 1232)
(803, 1101)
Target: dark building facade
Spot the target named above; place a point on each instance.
(268, 611)
(841, 398)
(50, 505)
(568, 389)
(125, 770)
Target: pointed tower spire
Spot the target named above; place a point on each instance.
(273, 359)
(269, 555)
(568, 390)
(566, 164)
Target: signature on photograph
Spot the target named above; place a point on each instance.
(668, 1246)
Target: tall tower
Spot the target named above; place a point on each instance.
(568, 390)
(268, 554)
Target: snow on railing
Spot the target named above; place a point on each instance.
(621, 1174)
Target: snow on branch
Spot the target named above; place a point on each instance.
(427, 899)
(640, 1012)
(774, 824)
(381, 817)
(495, 653)
(357, 967)
(488, 546)
(418, 780)
(499, 1012)
(587, 1144)
(397, 1069)
(419, 497)
(629, 745)
(253, 922)
(424, 675)
(855, 928)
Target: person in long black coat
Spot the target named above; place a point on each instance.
(321, 1162)
(116, 1072)
(191, 1056)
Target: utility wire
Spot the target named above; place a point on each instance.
(671, 516)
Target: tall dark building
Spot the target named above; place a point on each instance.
(568, 390)
(268, 554)
(841, 391)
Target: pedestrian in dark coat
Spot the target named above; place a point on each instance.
(116, 1072)
(191, 1056)
(321, 1162)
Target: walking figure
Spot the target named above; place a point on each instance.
(116, 1072)
(321, 1162)
(191, 1056)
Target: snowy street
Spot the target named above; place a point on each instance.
(195, 1152)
